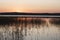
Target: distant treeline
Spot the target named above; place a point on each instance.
(22, 13)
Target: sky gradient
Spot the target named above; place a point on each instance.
(40, 6)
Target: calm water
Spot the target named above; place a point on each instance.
(30, 31)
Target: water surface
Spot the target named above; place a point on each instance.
(30, 31)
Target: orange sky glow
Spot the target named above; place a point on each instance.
(40, 6)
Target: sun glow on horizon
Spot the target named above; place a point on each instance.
(34, 6)
(18, 11)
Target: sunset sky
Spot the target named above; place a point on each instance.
(40, 6)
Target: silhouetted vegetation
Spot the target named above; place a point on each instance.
(25, 13)
(7, 20)
(55, 21)
(34, 21)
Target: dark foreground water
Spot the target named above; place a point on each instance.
(30, 31)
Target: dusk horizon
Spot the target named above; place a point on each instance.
(30, 6)
(29, 19)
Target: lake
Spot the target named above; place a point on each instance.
(32, 29)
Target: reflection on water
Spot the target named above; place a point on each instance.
(29, 31)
